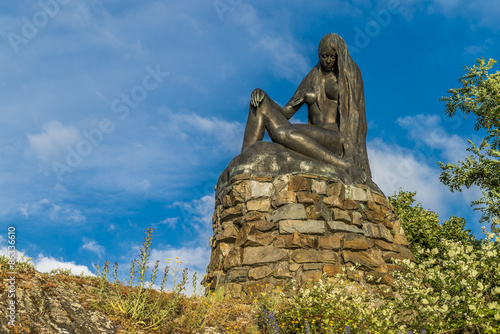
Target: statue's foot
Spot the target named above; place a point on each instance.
(358, 175)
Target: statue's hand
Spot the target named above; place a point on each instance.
(257, 97)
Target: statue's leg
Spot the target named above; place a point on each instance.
(295, 138)
(329, 139)
(266, 116)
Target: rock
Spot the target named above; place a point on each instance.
(256, 189)
(259, 272)
(307, 198)
(310, 276)
(264, 225)
(341, 215)
(349, 204)
(295, 266)
(377, 231)
(262, 255)
(307, 227)
(379, 199)
(356, 218)
(357, 242)
(312, 266)
(233, 258)
(293, 211)
(294, 240)
(297, 183)
(337, 226)
(232, 212)
(237, 275)
(318, 211)
(228, 234)
(337, 190)
(251, 237)
(333, 201)
(262, 205)
(54, 304)
(401, 240)
(368, 259)
(311, 256)
(386, 245)
(358, 194)
(331, 242)
(372, 216)
(283, 198)
(319, 187)
(332, 269)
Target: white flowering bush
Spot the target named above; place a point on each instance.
(457, 291)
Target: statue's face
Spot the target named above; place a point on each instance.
(327, 58)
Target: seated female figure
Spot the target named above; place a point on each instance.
(333, 115)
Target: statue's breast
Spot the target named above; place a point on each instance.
(310, 98)
(331, 88)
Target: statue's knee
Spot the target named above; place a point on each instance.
(279, 135)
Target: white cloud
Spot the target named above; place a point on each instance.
(45, 264)
(199, 214)
(50, 144)
(171, 222)
(195, 129)
(93, 246)
(286, 56)
(427, 129)
(54, 212)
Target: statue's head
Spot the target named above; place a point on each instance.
(327, 52)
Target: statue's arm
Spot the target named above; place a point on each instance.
(293, 106)
(297, 99)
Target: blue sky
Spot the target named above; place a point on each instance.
(120, 115)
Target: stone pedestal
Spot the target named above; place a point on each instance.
(274, 228)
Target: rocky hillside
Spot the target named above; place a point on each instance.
(51, 304)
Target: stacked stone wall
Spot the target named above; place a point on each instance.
(269, 230)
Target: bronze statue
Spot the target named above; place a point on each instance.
(336, 130)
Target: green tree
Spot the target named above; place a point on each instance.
(479, 95)
(422, 227)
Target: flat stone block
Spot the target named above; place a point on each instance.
(262, 255)
(297, 183)
(312, 256)
(332, 269)
(359, 195)
(307, 198)
(377, 231)
(369, 259)
(319, 187)
(283, 198)
(333, 201)
(336, 189)
(259, 272)
(337, 226)
(233, 258)
(256, 189)
(293, 211)
(329, 242)
(262, 205)
(294, 240)
(341, 215)
(349, 204)
(302, 226)
(312, 266)
(357, 242)
(237, 275)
